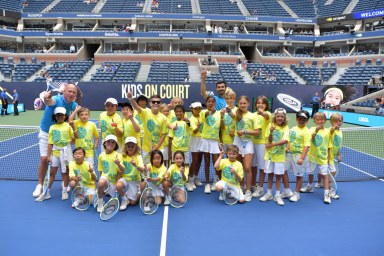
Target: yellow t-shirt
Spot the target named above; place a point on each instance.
(129, 130)
(263, 123)
(60, 135)
(211, 126)
(139, 122)
(83, 170)
(107, 166)
(172, 116)
(166, 140)
(280, 133)
(131, 173)
(336, 141)
(175, 175)
(87, 133)
(157, 172)
(180, 136)
(226, 174)
(154, 127)
(229, 124)
(318, 151)
(298, 139)
(105, 123)
(194, 121)
(248, 123)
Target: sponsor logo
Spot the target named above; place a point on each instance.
(364, 119)
(251, 18)
(169, 35)
(111, 34)
(35, 15)
(54, 34)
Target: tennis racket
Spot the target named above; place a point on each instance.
(332, 179)
(245, 124)
(178, 193)
(78, 197)
(294, 158)
(110, 208)
(147, 199)
(45, 184)
(231, 194)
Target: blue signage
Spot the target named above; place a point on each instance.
(20, 107)
(354, 118)
(368, 14)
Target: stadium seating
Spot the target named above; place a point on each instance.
(310, 74)
(265, 8)
(282, 76)
(130, 6)
(174, 6)
(333, 9)
(74, 72)
(24, 71)
(126, 72)
(36, 5)
(230, 73)
(358, 75)
(74, 6)
(301, 8)
(219, 7)
(6, 69)
(368, 5)
(367, 103)
(172, 72)
(12, 5)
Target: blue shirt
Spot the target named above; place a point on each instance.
(15, 97)
(220, 102)
(47, 121)
(315, 100)
(3, 95)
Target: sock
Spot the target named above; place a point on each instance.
(65, 188)
(326, 191)
(278, 193)
(287, 190)
(39, 186)
(269, 191)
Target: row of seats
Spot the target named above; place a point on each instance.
(367, 103)
(230, 73)
(369, 62)
(359, 75)
(125, 72)
(123, 6)
(282, 76)
(162, 71)
(75, 6)
(74, 71)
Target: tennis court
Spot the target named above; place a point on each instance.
(205, 226)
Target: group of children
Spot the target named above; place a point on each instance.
(156, 143)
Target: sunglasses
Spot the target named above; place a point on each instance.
(156, 101)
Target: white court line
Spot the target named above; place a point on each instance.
(163, 244)
(1, 157)
(373, 176)
(363, 152)
(18, 137)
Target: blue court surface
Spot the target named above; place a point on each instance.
(352, 225)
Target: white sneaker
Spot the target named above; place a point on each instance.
(166, 200)
(295, 197)
(248, 196)
(278, 200)
(286, 195)
(188, 187)
(64, 195)
(100, 205)
(193, 186)
(146, 208)
(198, 181)
(266, 197)
(207, 189)
(327, 199)
(333, 194)
(43, 197)
(78, 201)
(319, 185)
(307, 189)
(124, 203)
(258, 192)
(38, 190)
(213, 186)
(221, 196)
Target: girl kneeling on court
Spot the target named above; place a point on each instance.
(128, 185)
(110, 167)
(232, 172)
(59, 151)
(177, 174)
(154, 171)
(82, 173)
(276, 136)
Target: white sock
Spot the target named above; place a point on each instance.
(39, 186)
(287, 190)
(269, 191)
(326, 191)
(65, 188)
(277, 193)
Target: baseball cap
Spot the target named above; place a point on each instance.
(131, 139)
(111, 137)
(196, 105)
(304, 114)
(60, 110)
(111, 100)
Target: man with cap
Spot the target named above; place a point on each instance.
(65, 100)
(221, 88)
(110, 121)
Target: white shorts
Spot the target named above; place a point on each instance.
(272, 167)
(247, 150)
(165, 153)
(89, 191)
(209, 146)
(64, 159)
(332, 168)
(225, 186)
(186, 157)
(157, 190)
(131, 188)
(258, 155)
(43, 143)
(323, 169)
(289, 165)
(194, 144)
(110, 187)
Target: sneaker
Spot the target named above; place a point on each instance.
(319, 185)
(100, 205)
(253, 188)
(197, 181)
(327, 199)
(193, 186)
(221, 196)
(166, 200)
(295, 197)
(334, 195)
(248, 196)
(286, 195)
(266, 197)
(124, 203)
(38, 190)
(78, 201)
(188, 187)
(258, 192)
(278, 200)
(43, 197)
(307, 189)
(213, 186)
(207, 189)
(64, 195)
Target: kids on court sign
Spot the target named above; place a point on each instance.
(165, 91)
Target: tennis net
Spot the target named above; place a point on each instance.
(362, 154)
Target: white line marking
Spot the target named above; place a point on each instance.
(363, 152)
(373, 176)
(18, 137)
(1, 157)
(163, 244)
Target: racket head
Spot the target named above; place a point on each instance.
(94, 201)
(231, 195)
(332, 184)
(78, 190)
(178, 196)
(83, 202)
(46, 179)
(148, 203)
(110, 209)
(337, 167)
